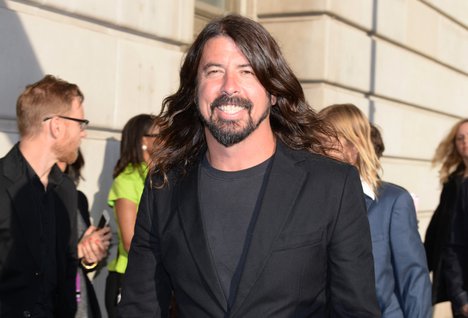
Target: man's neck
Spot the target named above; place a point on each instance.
(38, 157)
(250, 152)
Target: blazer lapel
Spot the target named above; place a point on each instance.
(192, 224)
(21, 198)
(283, 187)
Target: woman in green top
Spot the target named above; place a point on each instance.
(138, 137)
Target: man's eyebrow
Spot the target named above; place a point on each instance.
(208, 65)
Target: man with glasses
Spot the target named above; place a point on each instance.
(38, 235)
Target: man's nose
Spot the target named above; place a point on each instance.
(231, 84)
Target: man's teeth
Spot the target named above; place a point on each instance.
(230, 109)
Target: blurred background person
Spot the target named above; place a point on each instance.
(92, 246)
(38, 236)
(402, 279)
(138, 137)
(452, 155)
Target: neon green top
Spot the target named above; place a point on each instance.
(128, 185)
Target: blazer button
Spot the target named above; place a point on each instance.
(37, 274)
(26, 313)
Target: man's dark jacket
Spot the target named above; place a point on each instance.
(310, 253)
(20, 252)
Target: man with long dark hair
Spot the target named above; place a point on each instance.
(243, 216)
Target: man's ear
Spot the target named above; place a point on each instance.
(273, 100)
(54, 127)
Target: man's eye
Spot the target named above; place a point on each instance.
(209, 72)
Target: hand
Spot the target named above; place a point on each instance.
(94, 244)
(464, 310)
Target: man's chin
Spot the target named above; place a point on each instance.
(230, 138)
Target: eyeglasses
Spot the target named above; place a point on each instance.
(151, 135)
(83, 122)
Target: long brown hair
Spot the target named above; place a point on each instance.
(293, 121)
(351, 124)
(447, 155)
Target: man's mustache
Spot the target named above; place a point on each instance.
(235, 101)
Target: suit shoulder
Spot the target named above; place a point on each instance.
(388, 189)
(67, 182)
(319, 164)
(392, 187)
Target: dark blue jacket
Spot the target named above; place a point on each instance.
(402, 278)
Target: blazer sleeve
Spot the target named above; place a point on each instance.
(431, 238)
(409, 260)
(145, 290)
(351, 265)
(67, 241)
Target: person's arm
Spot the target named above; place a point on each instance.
(351, 265)
(455, 254)
(409, 260)
(431, 238)
(67, 241)
(126, 212)
(146, 289)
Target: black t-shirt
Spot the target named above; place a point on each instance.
(227, 201)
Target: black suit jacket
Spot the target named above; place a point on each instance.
(310, 254)
(437, 235)
(20, 259)
(455, 253)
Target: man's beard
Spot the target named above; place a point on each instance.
(229, 132)
(64, 154)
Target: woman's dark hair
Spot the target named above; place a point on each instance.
(131, 151)
(377, 140)
(291, 118)
(74, 170)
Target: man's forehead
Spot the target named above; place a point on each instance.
(210, 50)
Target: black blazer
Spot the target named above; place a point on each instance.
(455, 254)
(20, 260)
(437, 235)
(310, 254)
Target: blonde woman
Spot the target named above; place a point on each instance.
(452, 156)
(402, 279)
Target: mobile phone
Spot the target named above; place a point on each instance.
(104, 220)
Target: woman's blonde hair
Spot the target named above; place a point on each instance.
(447, 154)
(352, 125)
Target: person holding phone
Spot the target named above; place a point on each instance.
(92, 246)
(138, 137)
